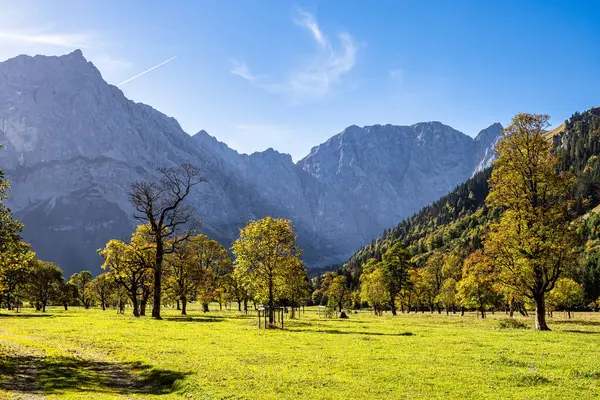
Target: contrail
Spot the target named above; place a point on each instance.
(146, 71)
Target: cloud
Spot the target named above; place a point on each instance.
(69, 40)
(241, 69)
(308, 21)
(319, 75)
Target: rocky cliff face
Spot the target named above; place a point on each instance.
(73, 144)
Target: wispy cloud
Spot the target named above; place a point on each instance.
(69, 40)
(308, 21)
(241, 69)
(319, 75)
(146, 71)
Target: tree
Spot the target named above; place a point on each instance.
(395, 266)
(240, 289)
(435, 265)
(452, 265)
(296, 286)
(44, 284)
(265, 251)
(182, 274)
(160, 204)
(131, 265)
(566, 294)
(373, 286)
(82, 282)
(339, 293)
(9, 227)
(102, 288)
(215, 266)
(67, 295)
(447, 294)
(476, 288)
(199, 264)
(532, 244)
(422, 283)
(16, 263)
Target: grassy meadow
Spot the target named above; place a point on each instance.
(85, 354)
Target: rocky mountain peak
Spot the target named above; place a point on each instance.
(74, 143)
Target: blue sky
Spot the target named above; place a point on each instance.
(288, 75)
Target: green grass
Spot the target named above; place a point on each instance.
(84, 354)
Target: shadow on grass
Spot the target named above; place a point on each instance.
(36, 374)
(19, 315)
(339, 332)
(576, 322)
(580, 331)
(194, 319)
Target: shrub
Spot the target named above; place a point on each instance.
(511, 323)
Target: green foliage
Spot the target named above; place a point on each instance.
(395, 268)
(82, 281)
(532, 244)
(374, 286)
(103, 288)
(476, 288)
(268, 261)
(44, 284)
(339, 293)
(566, 294)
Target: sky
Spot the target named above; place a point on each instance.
(289, 75)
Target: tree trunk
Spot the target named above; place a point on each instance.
(178, 306)
(136, 307)
(569, 313)
(271, 302)
(44, 306)
(204, 307)
(66, 306)
(239, 305)
(540, 313)
(103, 305)
(143, 305)
(462, 311)
(183, 305)
(158, 277)
(392, 302)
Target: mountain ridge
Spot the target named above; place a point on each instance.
(73, 143)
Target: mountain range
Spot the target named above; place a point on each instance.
(73, 144)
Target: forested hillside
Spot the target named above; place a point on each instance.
(456, 221)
